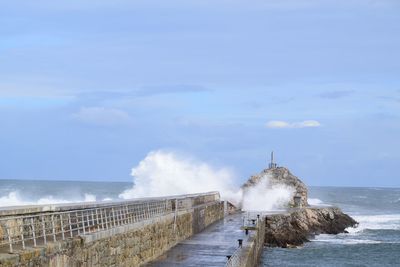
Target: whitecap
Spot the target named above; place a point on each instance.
(376, 222)
(316, 202)
(15, 198)
(346, 241)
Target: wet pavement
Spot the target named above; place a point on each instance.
(208, 248)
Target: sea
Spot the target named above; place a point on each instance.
(375, 242)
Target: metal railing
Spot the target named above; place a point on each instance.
(21, 231)
(236, 259)
(250, 219)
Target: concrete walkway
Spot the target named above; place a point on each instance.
(208, 248)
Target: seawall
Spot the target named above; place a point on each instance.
(126, 234)
(250, 253)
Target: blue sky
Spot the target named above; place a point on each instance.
(88, 88)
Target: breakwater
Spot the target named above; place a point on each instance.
(248, 253)
(129, 233)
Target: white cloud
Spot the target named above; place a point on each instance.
(102, 116)
(285, 124)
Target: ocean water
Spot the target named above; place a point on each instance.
(21, 192)
(376, 242)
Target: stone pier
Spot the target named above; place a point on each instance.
(130, 233)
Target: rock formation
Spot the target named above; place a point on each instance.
(299, 223)
(296, 227)
(281, 175)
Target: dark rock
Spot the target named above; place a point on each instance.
(296, 227)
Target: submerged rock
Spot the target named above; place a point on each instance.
(297, 226)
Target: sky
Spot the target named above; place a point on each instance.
(89, 88)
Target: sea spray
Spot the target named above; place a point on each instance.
(264, 197)
(160, 173)
(163, 173)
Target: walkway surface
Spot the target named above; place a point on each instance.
(208, 248)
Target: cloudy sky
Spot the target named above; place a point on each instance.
(88, 88)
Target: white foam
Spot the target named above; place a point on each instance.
(344, 241)
(317, 202)
(163, 173)
(15, 198)
(264, 197)
(376, 222)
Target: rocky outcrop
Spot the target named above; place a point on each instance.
(296, 227)
(281, 176)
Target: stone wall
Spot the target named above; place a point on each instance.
(127, 245)
(256, 247)
(250, 254)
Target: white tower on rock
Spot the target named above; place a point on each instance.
(272, 165)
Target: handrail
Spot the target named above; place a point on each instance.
(251, 219)
(236, 259)
(13, 210)
(38, 228)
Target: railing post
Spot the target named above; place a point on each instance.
(62, 227)
(134, 213)
(88, 221)
(93, 224)
(83, 223)
(33, 232)
(9, 240)
(53, 228)
(70, 225)
(124, 214)
(97, 220)
(113, 214)
(105, 215)
(175, 214)
(150, 209)
(44, 230)
(119, 216)
(77, 223)
(128, 214)
(22, 235)
(101, 219)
